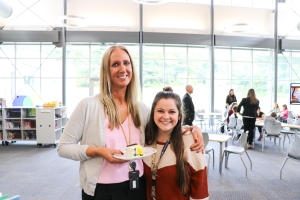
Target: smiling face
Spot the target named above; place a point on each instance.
(120, 69)
(231, 92)
(166, 116)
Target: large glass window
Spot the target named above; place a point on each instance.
(31, 70)
(242, 69)
(176, 67)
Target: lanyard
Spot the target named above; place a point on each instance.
(128, 118)
(154, 167)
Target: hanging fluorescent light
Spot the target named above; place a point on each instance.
(152, 2)
(238, 28)
(72, 21)
(5, 9)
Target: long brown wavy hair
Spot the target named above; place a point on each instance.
(252, 96)
(176, 140)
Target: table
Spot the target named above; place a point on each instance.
(261, 123)
(220, 138)
(283, 125)
(210, 118)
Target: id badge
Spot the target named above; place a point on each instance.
(134, 179)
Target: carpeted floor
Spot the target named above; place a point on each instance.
(39, 174)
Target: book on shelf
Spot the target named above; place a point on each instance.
(13, 124)
(28, 124)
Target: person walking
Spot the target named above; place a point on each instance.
(188, 106)
(250, 105)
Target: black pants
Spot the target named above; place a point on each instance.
(249, 125)
(259, 129)
(118, 191)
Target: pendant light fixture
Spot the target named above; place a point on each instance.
(72, 21)
(151, 2)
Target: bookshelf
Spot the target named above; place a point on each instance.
(18, 124)
(50, 124)
(1, 126)
(43, 125)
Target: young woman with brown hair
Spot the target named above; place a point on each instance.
(173, 172)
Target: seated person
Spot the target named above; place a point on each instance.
(235, 114)
(260, 116)
(230, 111)
(276, 108)
(284, 113)
(271, 118)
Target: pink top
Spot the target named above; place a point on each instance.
(285, 114)
(117, 173)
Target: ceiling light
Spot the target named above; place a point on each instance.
(238, 28)
(152, 2)
(72, 21)
(5, 9)
(298, 26)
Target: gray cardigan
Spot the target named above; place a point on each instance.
(86, 125)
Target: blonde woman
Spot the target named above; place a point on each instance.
(276, 108)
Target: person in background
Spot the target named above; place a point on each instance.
(250, 105)
(271, 118)
(230, 110)
(103, 125)
(284, 113)
(260, 116)
(173, 172)
(230, 98)
(276, 108)
(188, 106)
(235, 114)
(168, 88)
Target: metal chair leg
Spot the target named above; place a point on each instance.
(282, 166)
(208, 163)
(213, 158)
(244, 164)
(249, 160)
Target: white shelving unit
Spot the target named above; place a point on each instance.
(50, 124)
(1, 126)
(19, 124)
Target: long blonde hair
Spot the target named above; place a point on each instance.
(132, 95)
(252, 96)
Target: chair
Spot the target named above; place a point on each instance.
(232, 124)
(293, 153)
(287, 132)
(290, 114)
(200, 117)
(238, 150)
(216, 117)
(297, 122)
(208, 149)
(271, 129)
